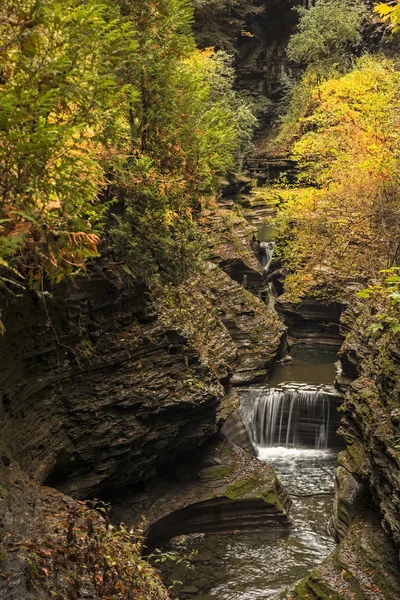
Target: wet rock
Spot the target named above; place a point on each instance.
(258, 207)
(347, 493)
(236, 183)
(190, 589)
(231, 248)
(311, 321)
(365, 565)
(179, 574)
(286, 360)
(240, 494)
(236, 432)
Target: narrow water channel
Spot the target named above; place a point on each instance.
(258, 565)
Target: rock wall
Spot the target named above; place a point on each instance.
(104, 383)
(366, 518)
(311, 321)
(255, 32)
(222, 488)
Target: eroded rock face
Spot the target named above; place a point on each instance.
(256, 32)
(371, 419)
(231, 248)
(233, 330)
(105, 383)
(311, 321)
(222, 489)
(108, 402)
(350, 497)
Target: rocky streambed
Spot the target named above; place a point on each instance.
(262, 559)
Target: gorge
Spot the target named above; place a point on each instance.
(200, 301)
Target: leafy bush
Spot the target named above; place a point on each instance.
(204, 130)
(85, 556)
(59, 97)
(100, 102)
(326, 30)
(342, 225)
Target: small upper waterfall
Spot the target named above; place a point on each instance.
(291, 416)
(266, 251)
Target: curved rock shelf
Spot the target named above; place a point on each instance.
(216, 515)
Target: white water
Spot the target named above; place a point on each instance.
(285, 425)
(266, 254)
(286, 454)
(292, 416)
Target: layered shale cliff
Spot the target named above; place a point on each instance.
(366, 521)
(255, 33)
(103, 383)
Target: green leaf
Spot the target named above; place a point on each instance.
(395, 327)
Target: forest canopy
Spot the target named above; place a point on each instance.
(326, 31)
(108, 108)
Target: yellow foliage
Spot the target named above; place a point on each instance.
(345, 225)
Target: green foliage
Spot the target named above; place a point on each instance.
(239, 107)
(389, 295)
(192, 128)
(326, 30)
(296, 105)
(212, 18)
(59, 97)
(104, 102)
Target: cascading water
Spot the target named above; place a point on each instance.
(293, 428)
(292, 416)
(266, 252)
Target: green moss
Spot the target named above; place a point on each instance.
(271, 497)
(218, 472)
(357, 457)
(255, 487)
(314, 588)
(242, 487)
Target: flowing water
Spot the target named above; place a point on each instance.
(266, 251)
(293, 428)
(291, 416)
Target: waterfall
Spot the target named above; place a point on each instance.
(291, 416)
(266, 253)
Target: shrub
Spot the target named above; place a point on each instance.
(325, 33)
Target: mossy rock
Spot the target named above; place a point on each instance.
(314, 588)
(217, 472)
(255, 487)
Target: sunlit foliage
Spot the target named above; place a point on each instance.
(188, 128)
(390, 13)
(105, 104)
(58, 100)
(343, 223)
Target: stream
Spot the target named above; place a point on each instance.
(298, 439)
